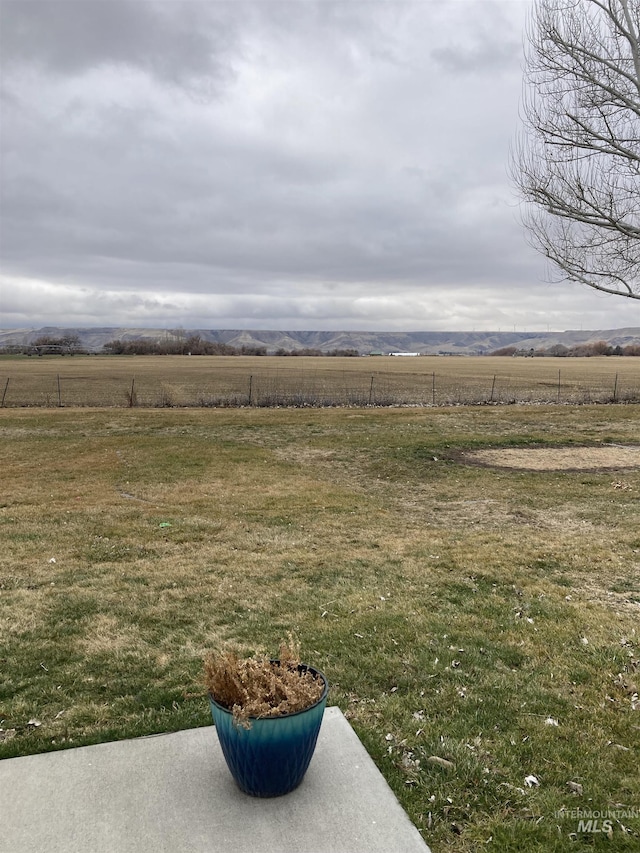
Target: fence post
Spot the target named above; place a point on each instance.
(371, 391)
(59, 394)
(250, 387)
(558, 386)
(615, 389)
(493, 386)
(433, 388)
(4, 393)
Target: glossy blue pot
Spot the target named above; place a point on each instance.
(270, 758)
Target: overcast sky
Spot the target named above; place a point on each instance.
(277, 164)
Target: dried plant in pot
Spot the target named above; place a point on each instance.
(267, 714)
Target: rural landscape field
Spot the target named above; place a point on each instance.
(468, 577)
(220, 381)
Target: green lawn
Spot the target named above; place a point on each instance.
(479, 626)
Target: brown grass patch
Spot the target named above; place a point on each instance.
(558, 458)
(109, 635)
(175, 381)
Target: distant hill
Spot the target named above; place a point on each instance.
(427, 343)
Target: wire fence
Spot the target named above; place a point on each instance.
(304, 388)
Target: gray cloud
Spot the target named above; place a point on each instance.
(174, 41)
(275, 164)
(470, 45)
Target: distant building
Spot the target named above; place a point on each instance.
(404, 353)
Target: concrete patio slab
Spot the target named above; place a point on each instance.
(172, 793)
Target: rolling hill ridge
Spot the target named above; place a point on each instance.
(423, 342)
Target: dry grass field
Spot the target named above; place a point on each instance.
(467, 577)
(214, 381)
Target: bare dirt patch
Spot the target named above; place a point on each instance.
(611, 457)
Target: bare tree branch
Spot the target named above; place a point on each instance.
(576, 162)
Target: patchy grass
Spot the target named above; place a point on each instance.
(478, 625)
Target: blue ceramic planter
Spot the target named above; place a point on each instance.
(270, 758)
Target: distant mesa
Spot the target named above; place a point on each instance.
(400, 344)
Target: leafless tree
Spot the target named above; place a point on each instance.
(576, 162)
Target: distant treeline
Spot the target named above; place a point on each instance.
(47, 345)
(561, 351)
(341, 353)
(194, 345)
